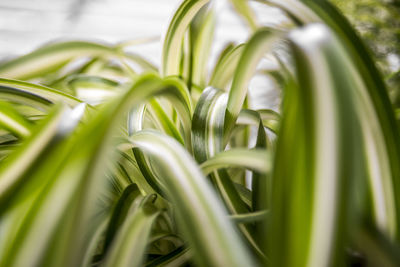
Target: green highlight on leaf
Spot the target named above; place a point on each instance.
(108, 160)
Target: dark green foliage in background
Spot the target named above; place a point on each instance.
(378, 22)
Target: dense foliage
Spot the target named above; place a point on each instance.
(378, 22)
(108, 160)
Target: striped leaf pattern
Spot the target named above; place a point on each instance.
(105, 164)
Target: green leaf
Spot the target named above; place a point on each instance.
(177, 257)
(130, 242)
(12, 121)
(296, 10)
(384, 184)
(251, 159)
(215, 241)
(171, 53)
(52, 57)
(269, 118)
(242, 7)
(207, 140)
(250, 217)
(163, 121)
(201, 37)
(93, 89)
(377, 248)
(74, 186)
(260, 43)
(225, 66)
(207, 129)
(332, 139)
(21, 161)
(38, 93)
(120, 211)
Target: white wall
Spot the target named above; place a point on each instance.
(26, 24)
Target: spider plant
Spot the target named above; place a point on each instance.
(109, 160)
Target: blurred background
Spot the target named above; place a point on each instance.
(28, 24)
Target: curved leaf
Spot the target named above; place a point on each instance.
(376, 100)
(74, 186)
(11, 120)
(201, 37)
(260, 43)
(216, 242)
(171, 52)
(20, 162)
(225, 67)
(54, 56)
(130, 243)
(50, 95)
(207, 136)
(251, 159)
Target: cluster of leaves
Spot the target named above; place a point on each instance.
(111, 161)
